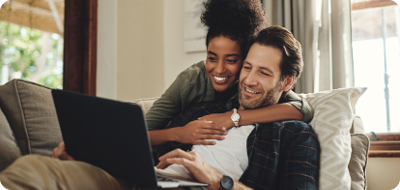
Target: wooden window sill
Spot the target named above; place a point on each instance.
(388, 145)
(384, 153)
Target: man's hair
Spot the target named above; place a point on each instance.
(282, 39)
(239, 20)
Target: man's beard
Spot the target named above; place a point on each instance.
(267, 99)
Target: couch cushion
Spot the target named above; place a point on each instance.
(145, 103)
(9, 150)
(333, 118)
(358, 162)
(30, 111)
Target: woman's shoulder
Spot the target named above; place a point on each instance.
(195, 69)
(194, 74)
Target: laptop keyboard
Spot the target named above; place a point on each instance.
(163, 179)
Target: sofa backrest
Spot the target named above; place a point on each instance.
(29, 110)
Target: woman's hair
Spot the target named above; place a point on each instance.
(282, 39)
(239, 20)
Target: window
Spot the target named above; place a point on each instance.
(80, 45)
(376, 55)
(376, 47)
(31, 41)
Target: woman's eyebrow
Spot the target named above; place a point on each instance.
(233, 54)
(228, 55)
(210, 52)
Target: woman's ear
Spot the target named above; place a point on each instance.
(288, 83)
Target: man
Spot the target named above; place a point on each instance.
(278, 155)
(281, 155)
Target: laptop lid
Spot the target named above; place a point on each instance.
(109, 134)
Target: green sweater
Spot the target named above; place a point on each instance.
(194, 86)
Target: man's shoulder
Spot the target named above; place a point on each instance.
(289, 130)
(289, 125)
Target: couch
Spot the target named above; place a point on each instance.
(29, 125)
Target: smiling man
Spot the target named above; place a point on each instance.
(278, 155)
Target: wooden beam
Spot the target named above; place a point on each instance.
(372, 4)
(80, 46)
(42, 4)
(24, 19)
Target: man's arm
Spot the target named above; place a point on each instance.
(201, 170)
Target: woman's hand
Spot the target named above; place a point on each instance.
(222, 120)
(197, 131)
(60, 153)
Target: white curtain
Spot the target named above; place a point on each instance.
(323, 27)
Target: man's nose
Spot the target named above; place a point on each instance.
(251, 79)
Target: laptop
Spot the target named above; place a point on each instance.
(111, 135)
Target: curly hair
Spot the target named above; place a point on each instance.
(240, 20)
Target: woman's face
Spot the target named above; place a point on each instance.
(224, 61)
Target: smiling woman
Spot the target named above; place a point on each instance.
(224, 61)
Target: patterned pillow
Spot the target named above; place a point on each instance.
(333, 116)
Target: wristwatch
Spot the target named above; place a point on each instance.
(235, 117)
(226, 182)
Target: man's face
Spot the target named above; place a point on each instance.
(259, 82)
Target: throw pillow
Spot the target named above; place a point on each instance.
(333, 116)
(30, 111)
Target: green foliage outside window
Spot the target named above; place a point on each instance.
(30, 54)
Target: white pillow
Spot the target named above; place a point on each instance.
(333, 116)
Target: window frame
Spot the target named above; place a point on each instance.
(80, 46)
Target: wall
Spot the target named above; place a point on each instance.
(140, 48)
(176, 60)
(383, 173)
(130, 49)
(107, 49)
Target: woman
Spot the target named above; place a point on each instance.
(230, 23)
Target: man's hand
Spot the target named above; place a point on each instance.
(60, 153)
(196, 131)
(221, 120)
(201, 170)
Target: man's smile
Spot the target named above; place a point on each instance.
(251, 91)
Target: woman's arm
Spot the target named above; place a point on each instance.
(192, 133)
(268, 114)
(189, 87)
(291, 107)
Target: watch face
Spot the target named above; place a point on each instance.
(227, 182)
(235, 117)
